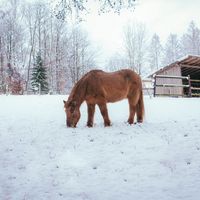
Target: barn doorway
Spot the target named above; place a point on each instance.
(194, 73)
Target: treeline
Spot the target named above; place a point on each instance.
(31, 29)
(33, 39)
(146, 55)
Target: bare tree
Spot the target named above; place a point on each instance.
(116, 62)
(32, 25)
(2, 53)
(191, 40)
(135, 43)
(81, 56)
(12, 34)
(10, 42)
(65, 8)
(155, 53)
(172, 50)
(59, 53)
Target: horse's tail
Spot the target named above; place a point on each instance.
(140, 108)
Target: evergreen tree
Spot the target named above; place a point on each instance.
(39, 76)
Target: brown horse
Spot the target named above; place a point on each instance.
(99, 87)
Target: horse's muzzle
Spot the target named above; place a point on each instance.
(70, 125)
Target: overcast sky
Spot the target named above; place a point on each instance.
(160, 16)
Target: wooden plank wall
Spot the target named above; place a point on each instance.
(174, 71)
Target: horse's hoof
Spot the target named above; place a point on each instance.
(130, 122)
(107, 124)
(89, 125)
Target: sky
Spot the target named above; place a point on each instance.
(160, 16)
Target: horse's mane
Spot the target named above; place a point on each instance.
(79, 89)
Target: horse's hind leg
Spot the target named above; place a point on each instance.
(139, 114)
(132, 110)
(91, 110)
(140, 109)
(104, 112)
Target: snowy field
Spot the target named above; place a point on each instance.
(42, 159)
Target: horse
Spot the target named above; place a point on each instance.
(99, 88)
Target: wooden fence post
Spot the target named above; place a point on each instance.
(154, 86)
(190, 89)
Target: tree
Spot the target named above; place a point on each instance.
(39, 77)
(66, 8)
(37, 20)
(81, 55)
(2, 52)
(11, 42)
(135, 44)
(191, 40)
(116, 62)
(17, 83)
(172, 50)
(155, 51)
(31, 23)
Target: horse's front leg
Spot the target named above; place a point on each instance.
(91, 110)
(104, 113)
(132, 110)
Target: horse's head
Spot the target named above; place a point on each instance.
(72, 113)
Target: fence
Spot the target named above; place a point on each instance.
(195, 87)
(188, 85)
(147, 87)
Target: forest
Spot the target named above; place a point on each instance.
(40, 51)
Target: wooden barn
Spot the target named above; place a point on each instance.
(181, 78)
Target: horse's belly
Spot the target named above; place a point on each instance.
(108, 98)
(116, 97)
(108, 94)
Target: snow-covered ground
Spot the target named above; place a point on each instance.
(42, 159)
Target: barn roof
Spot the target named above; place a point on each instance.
(189, 64)
(190, 60)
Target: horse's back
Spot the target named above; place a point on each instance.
(126, 74)
(113, 86)
(121, 78)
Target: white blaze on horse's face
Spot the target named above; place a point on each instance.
(72, 114)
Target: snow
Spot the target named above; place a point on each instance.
(43, 159)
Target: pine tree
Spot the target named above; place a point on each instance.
(39, 76)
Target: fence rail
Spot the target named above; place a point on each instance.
(169, 76)
(171, 85)
(194, 80)
(187, 85)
